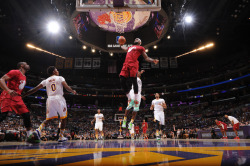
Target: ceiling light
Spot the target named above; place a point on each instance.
(188, 19)
(53, 27)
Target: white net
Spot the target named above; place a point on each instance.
(119, 22)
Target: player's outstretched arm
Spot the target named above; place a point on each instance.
(69, 89)
(124, 48)
(148, 59)
(164, 105)
(93, 121)
(31, 91)
(3, 85)
(143, 98)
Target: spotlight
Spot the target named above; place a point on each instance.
(155, 46)
(111, 54)
(146, 50)
(93, 50)
(84, 47)
(53, 27)
(188, 19)
(70, 37)
(168, 37)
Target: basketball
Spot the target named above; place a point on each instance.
(122, 40)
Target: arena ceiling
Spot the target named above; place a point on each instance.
(224, 22)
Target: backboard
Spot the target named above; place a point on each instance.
(108, 5)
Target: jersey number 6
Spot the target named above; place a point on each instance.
(53, 87)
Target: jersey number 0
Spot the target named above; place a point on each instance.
(53, 87)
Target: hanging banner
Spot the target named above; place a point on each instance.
(145, 65)
(164, 62)
(68, 63)
(78, 63)
(112, 66)
(87, 63)
(59, 63)
(96, 63)
(173, 62)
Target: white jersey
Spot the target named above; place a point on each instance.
(158, 105)
(54, 85)
(233, 119)
(98, 118)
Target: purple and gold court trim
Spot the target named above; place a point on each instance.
(127, 152)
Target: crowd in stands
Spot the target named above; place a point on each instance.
(187, 120)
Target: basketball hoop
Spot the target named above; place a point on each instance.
(120, 20)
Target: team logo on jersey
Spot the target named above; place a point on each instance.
(131, 48)
(22, 84)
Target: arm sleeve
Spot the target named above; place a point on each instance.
(43, 83)
(12, 74)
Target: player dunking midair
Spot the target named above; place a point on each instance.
(128, 75)
(11, 99)
(132, 97)
(56, 103)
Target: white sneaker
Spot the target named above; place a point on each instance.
(62, 139)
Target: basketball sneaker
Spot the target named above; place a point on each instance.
(130, 105)
(33, 138)
(62, 139)
(130, 125)
(124, 122)
(237, 137)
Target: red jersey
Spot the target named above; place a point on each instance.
(17, 81)
(219, 123)
(137, 129)
(133, 54)
(144, 125)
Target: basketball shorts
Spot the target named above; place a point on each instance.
(99, 126)
(56, 105)
(9, 103)
(129, 70)
(144, 131)
(236, 126)
(223, 127)
(132, 95)
(160, 117)
(132, 131)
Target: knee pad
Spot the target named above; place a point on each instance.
(26, 120)
(3, 116)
